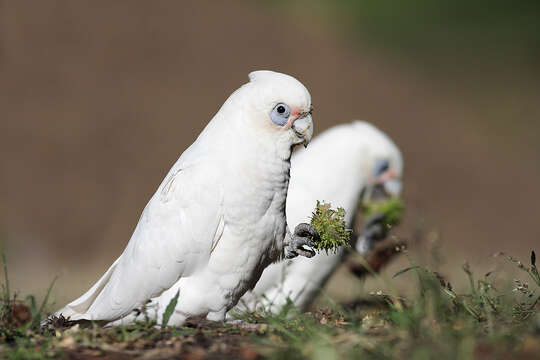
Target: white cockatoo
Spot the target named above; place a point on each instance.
(352, 161)
(218, 218)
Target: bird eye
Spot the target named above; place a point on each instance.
(280, 114)
(381, 167)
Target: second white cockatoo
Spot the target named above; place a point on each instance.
(352, 161)
(218, 218)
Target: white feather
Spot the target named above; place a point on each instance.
(216, 220)
(336, 167)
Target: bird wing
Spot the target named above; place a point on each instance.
(174, 237)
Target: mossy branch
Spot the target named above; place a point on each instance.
(330, 224)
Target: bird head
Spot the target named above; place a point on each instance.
(279, 105)
(383, 163)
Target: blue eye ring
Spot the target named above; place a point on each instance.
(280, 114)
(381, 166)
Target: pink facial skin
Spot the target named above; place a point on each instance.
(387, 175)
(295, 114)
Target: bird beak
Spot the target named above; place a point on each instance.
(303, 129)
(388, 185)
(392, 187)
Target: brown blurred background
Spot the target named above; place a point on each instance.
(99, 98)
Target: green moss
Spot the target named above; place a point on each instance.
(391, 208)
(330, 224)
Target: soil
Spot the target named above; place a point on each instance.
(98, 100)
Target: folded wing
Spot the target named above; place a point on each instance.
(174, 237)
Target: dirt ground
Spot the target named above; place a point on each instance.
(98, 99)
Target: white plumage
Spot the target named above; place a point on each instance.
(218, 218)
(347, 160)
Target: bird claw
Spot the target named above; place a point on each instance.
(304, 235)
(374, 230)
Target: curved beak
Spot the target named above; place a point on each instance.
(390, 182)
(303, 129)
(388, 185)
(393, 187)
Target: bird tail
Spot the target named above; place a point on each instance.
(77, 309)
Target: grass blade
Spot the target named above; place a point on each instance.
(7, 296)
(169, 310)
(403, 271)
(468, 271)
(37, 318)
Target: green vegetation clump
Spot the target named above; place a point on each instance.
(487, 319)
(330, 224)
(391, 208)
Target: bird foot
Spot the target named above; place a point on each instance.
(374, 231)
(304, 235)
